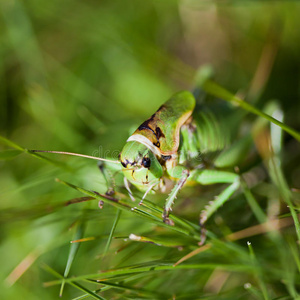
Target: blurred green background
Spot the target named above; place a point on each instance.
(79, 76)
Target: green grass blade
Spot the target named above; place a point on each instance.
(110, 286)
(11, 144)
(129, 288)
(9, 154)
(154, 267)
(125, 206)
(51, 271)
(157, 241)
(72, 252)
(19, 148)
(177, 220)
(285, 193)
(112, 231)
(75, 284)
(258, 273)
(49, 160)
(252, 290)
(91, 293)
(295, 252)
(214, 89)
(258, 212)
(158, 221)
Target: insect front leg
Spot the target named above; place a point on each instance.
(126, 184)
(184, 174)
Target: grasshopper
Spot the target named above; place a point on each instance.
(173, 145)
(181, 144)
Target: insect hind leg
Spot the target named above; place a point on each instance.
(208, 177)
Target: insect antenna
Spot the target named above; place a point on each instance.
(76, 154)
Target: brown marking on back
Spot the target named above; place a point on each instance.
(163, 127)
(159, 133)
(155, 133)
(146, 125)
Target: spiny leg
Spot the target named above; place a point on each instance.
(207, 177)
(172, 196)
(219, 201)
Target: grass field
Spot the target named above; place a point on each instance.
(80, 76)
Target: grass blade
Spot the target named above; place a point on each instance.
(72, 252)
(154, 267)
(9, 154)
(112, 231)
(258, 272)
(11, 144)
(75, 284)
(125, 206)
(214, 89)
(91, 293)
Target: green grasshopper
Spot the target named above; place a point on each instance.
(181, 144)
(172, 145)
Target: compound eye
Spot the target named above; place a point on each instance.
(146, 162)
